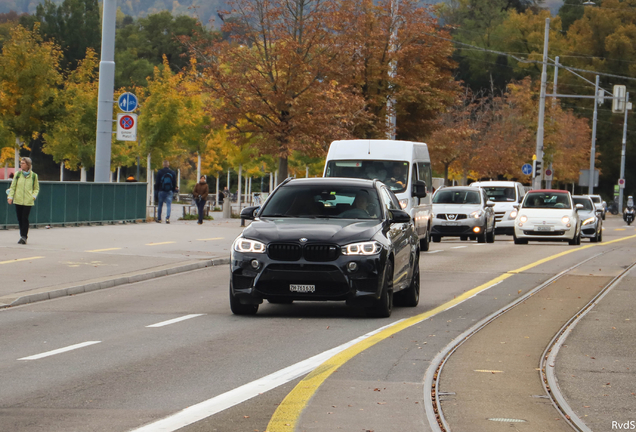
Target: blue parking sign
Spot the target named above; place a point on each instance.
(127, 102)
(526, 169)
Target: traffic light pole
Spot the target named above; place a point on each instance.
(620, 191)
(590, 189)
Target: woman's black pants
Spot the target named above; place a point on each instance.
(23, 219)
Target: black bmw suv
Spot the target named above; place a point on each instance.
(327, 239)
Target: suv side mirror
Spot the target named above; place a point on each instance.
(250, 213)
(490, 203)
(579, 207)
(419, 189)
(399, 216)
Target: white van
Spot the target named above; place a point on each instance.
(505, 195)
(404, 166)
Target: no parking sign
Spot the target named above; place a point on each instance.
(127, 127)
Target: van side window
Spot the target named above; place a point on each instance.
(424, 173)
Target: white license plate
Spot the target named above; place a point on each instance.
(302, 288)
(451, 223)
(543, 228)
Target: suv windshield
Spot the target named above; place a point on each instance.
(587, 204)
(391, 173)
(596, 199)
(456, 197)
(547, 200)
(500, 193)
(323, 202)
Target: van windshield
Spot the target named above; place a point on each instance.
(394, 174)
(500, 193)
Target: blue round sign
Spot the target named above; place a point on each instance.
(127, 102)
(526, 169)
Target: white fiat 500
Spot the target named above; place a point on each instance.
(548, 215)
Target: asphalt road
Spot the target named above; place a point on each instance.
(139, 353)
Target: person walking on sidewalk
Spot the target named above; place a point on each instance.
(166, 185)
(23, 192)
(200, 195)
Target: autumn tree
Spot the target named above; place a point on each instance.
(274, 78)
(29, 80)
(372, 38)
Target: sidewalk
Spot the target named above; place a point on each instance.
(69, 260)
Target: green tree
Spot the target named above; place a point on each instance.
(75, 25)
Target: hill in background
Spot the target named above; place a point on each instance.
(204, 10)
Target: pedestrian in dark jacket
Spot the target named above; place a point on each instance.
(200, 195)
(166, 187)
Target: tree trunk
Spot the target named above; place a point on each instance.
(283, 172)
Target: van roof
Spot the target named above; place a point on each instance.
(378, 149)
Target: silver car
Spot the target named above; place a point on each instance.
(464, 212)
(591, 219)
(599, 204)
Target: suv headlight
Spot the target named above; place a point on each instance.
(589, 220)
(404, 203)
(363, 248)
(476, 214)
(513, 214)
(248, 246)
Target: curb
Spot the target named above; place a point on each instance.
(116, 281)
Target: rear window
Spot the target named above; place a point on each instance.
(547, 200)
(394, 174)
(446, 196)
(596, 199)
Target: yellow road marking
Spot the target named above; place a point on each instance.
(213, 238)
(20, 259)
(103, 250)
(162, 243)
(288, 412)
(487, 371)
(619, 229)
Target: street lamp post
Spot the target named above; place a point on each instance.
(590, 187)
(105, 94)
(536, 183)
(620, 191)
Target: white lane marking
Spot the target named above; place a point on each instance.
(175, 320)
(239, 395)
(435, 251)
(479, 245)
(459, 247)
(60, 350)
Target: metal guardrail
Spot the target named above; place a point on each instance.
(75, 203)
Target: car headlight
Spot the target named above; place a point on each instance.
(565, 220)
(589, 220)
(246, 245)
(404, 203)
(476, 214)
(523, 219)
(363, 248)
(513, 214)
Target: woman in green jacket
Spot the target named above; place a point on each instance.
(24, 190)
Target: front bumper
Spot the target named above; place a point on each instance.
(332, 280)
(589, 230)
(559, 232)
(462, 227)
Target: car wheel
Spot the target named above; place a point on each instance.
(573, 242)
(594, 239)
(519, 241)
(383, 306)
(482, 237)
(426, 241)
(436, 239)
(578, 239)
(603, 216)
(241, 309)
(600, 235)
(490, 237)
(410, 296)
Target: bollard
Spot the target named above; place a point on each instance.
(242, 222)
(227, 209)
